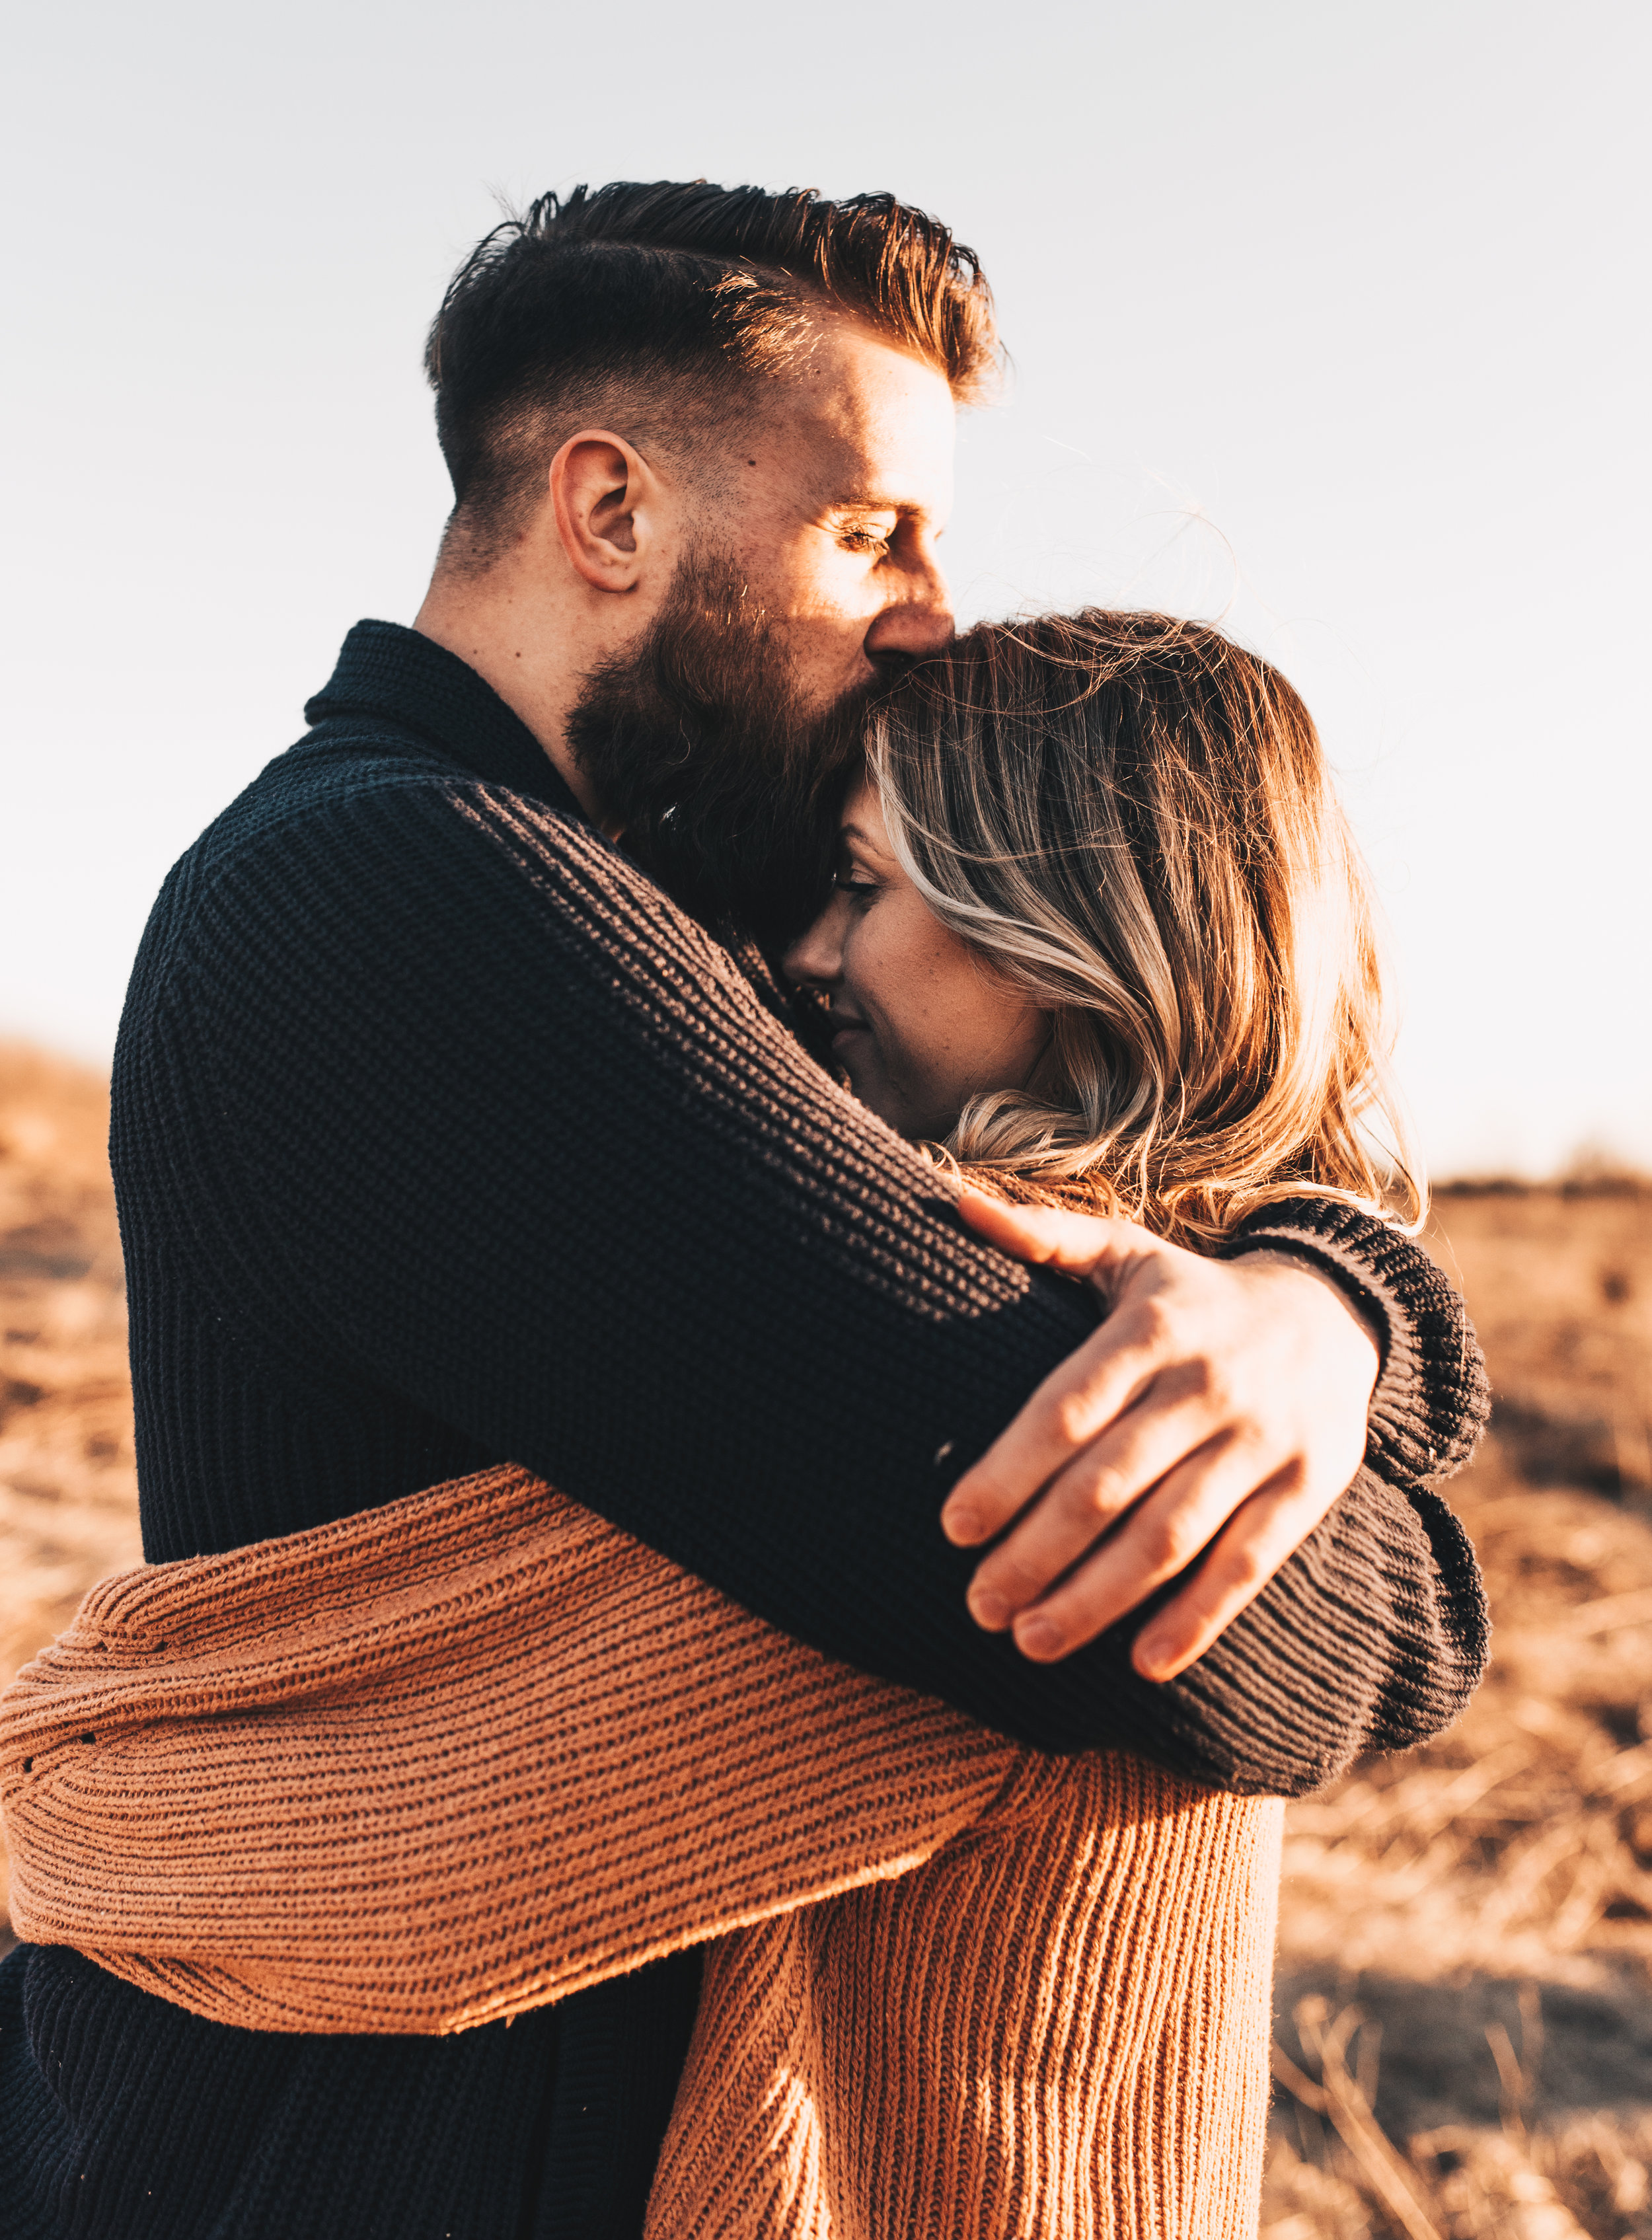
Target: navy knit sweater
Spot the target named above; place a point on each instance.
(442, 1138)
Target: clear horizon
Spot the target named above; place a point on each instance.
(1323, 327)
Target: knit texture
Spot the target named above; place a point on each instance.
(442, 1140)
(1433, 1398)
(455, 1759)
(1059, 2025)
(447, 1762)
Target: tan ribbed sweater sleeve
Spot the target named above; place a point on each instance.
(445, 1760)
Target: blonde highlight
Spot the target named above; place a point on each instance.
(1130, 817)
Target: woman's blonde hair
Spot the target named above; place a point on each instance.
(1130, 817)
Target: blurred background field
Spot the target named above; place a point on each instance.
(1464, 2039)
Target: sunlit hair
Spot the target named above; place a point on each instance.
(658, 310)
(1130, 818)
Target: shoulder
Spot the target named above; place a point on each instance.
(365, 862)
(347, 780)
(362, 826)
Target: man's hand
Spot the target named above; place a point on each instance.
(1219, 1409)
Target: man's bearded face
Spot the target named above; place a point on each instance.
(697, 743)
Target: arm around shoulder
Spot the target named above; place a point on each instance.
(514, 1134)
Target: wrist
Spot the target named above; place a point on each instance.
(1356, 1304)
(1432, 1398)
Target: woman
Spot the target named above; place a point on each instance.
(1101, 930)
(1099, 934)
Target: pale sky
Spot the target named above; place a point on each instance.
(1328, 323)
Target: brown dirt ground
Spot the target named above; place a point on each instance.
(1463, 2032)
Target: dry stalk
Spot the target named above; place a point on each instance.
(1339, 2095)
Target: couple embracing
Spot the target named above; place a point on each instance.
(778, 1393)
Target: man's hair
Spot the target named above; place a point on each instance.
(658, 306)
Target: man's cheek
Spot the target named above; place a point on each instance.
(839, 591)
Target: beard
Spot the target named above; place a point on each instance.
(697, 742)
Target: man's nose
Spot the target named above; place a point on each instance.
(919, 622)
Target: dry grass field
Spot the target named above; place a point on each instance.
(68, 1491)
(1463, 2035)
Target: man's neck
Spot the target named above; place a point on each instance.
(523, 662)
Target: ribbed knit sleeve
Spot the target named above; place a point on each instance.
(510, 1137)
(1432, 1398)
(457, 1758)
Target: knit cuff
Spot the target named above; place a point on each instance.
(1372, 1637)
(1432, 1397)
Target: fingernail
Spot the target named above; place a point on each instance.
(990, 1609)
(963, 1526)
(1038, 1637)
(1152, 1651)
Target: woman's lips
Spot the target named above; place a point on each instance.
(844, 1028)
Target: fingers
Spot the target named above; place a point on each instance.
(1071, 1408)
(1148, 1445)
(1153, 1544)
(1071, 1244)
(1267, 1531)
(1210, 1421)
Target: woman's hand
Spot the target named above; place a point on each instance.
(1217, 1412)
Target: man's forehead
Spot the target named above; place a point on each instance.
(877, 423)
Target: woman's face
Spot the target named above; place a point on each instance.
(924, 1022)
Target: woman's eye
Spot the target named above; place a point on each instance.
(847, 883)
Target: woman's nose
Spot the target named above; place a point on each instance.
(815, 959)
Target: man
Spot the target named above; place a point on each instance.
(443, 1136)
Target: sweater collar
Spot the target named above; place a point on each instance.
(384, 670)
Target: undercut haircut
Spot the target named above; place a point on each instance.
(657, 308)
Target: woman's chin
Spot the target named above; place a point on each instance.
(868, 1084)
(898, 1112)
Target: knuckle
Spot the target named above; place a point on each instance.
(1245, 1567)
(982, 1489)
(1019, 1580)
(1071, 1419)
(1169, 1543)
(1013, 1567)
(1100, 1496)
(1221, 1389)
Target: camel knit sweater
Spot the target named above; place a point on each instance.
(458, 1759)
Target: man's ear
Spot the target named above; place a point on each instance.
(604, 493)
